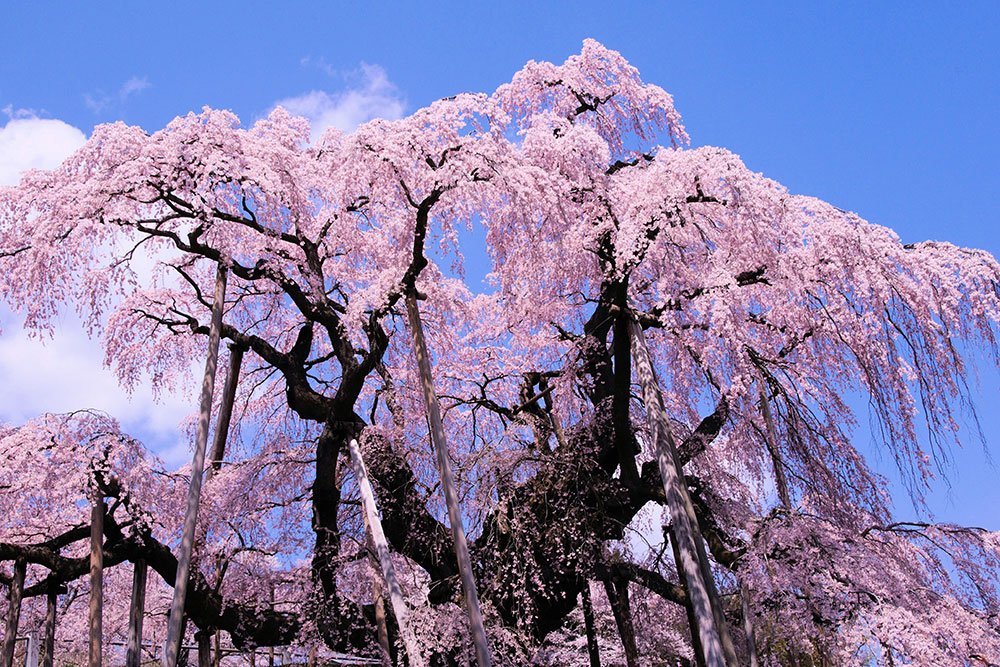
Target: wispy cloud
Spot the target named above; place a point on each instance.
(374, 96)
(133, 85)
(320, 64)
(99, 100)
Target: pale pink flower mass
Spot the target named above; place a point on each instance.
(743, 290)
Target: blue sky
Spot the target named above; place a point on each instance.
(887, 109)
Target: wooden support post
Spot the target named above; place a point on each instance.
(618, 597)
(136, 611)
(96, 578)
(204, 640)
(173, 641)
(225, 411)
(448, 484)
(49, 638)
(780, 480)
(217, 656)
(699, 653)
(374, 526)
(689, 542)
(13, 612)
(381, 624)
(588, 621)
(748, 625)
(31, 650)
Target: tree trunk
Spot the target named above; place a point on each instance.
(618, 597)
(588, 621)
(622, 398)
(689, 542)
(49, 638)
(448, 485)
(13, 612)
(225, 411)
(137, 607)
(377, 536)
(174, 636)
(96, 578)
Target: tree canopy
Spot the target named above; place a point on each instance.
(766, 313)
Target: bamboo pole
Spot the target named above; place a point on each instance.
(679, 502)
(374, 526)
(133, 654)
(448, 484)
(225, 411)
(13, 612)
(96, 578)
(173, 642)
(49, 638)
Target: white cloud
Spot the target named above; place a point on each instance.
(376, 97)
(34, 143)
(67, 372)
